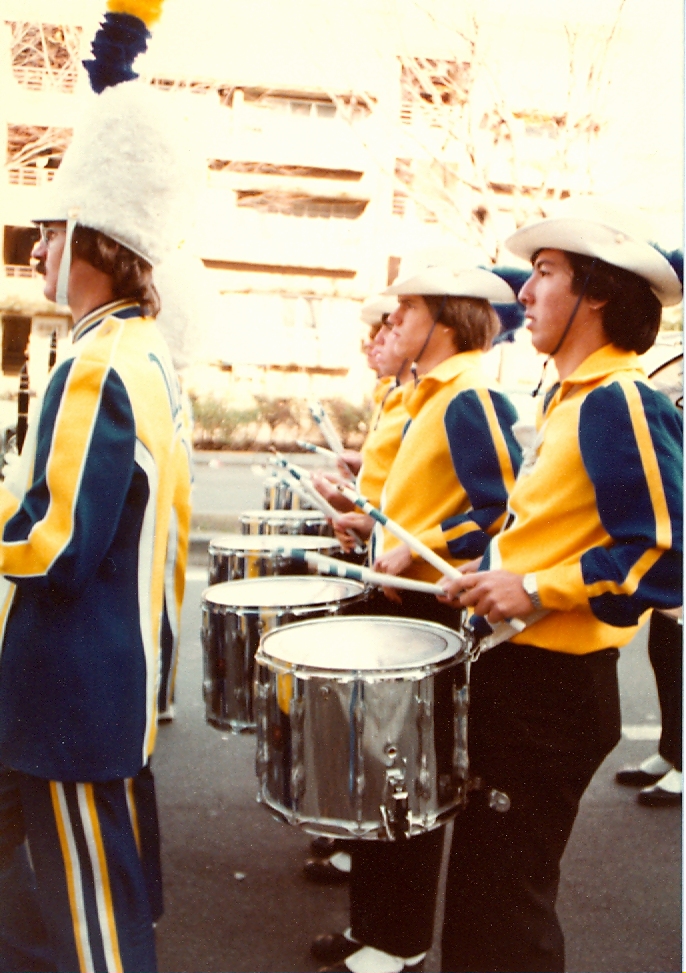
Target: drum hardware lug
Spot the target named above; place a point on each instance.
(472, 640)
(297, 717)
(460, 751)
(498, 801)
(358, 720)
(395, 809)
(422, 785)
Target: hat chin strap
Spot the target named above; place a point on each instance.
(564, 334)
(62, 295)
(415, 363)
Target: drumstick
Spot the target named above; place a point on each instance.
(308, 490)
(311, 448)
(327, 429)
(329, 453)
(515, 625)
(339, 569)
(435, 560)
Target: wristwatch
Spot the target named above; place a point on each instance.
(530, 585)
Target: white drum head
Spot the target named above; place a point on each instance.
(268, 543)
(281, 592)
(367, 643)
(283, 515)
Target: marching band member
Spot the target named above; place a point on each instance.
(331, 863)
(83, 548)
(448, 485)
(594, 538)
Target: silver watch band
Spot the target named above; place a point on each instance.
(531, 587)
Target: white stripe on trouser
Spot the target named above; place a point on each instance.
(74, 877)
(101, 881)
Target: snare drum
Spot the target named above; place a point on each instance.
(236, 614)
(278, 496)
(233, 557)
(362, 725)
(310, 522)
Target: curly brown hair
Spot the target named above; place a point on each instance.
(131, 275)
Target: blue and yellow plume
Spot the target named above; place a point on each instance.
(121, 38)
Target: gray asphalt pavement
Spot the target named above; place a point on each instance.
(235, 897)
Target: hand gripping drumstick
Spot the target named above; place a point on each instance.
(307, 489)
(514, 625)
(339, 569)
(435, 560)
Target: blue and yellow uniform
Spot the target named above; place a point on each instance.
(597, 519)
(605, 539)
(83, 550)
(448, 486)
(388, 421)
(450, 480)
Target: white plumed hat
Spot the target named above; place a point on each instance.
(130, 172)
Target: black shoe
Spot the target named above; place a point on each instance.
(657, 796)
(323, 872)
(635, 777)
(322, 847)
(333, 947)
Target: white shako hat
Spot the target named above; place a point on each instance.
(374, 308)
(451, 272)
(597, 228)
(128, 172)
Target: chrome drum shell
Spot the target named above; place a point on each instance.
(235, 616)
(362, 725)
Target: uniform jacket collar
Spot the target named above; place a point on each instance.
(120, 309)
(443, 374)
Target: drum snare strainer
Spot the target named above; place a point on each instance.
(362, 725)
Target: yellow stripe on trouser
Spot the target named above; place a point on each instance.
(73, 876)
(103, 891)
(133, 811)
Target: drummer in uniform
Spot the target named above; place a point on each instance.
(331, 863)
(385, 426)
(448, 485)
(594, 539)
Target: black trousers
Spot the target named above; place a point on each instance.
(665, 650)
(394, 885)
(540, 724)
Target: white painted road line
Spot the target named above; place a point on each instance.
(641, 731)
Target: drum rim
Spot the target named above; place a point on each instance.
(262, 657)
(268, 543)
(271, 580)
(276, 514)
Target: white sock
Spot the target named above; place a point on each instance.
(341, 860)
(672, 782)
(370, 960)
(655, 765)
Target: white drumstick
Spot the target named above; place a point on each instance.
(326, 427)
(305, 481)
(515, 625)
(340, 569)
(435, 560)
(329, 453)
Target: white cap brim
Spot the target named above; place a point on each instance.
(596, 239)
(474, 282)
